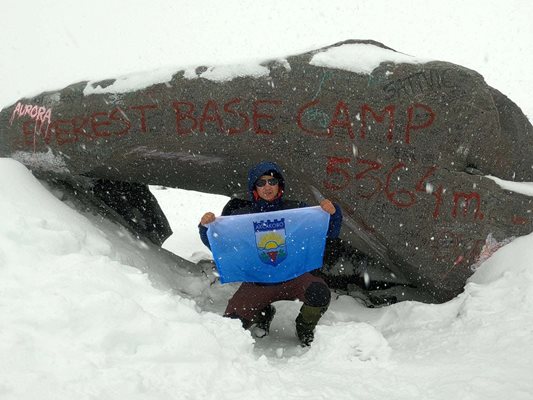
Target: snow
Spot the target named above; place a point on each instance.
(173, 202)
(360, 58)
(517, 187)
(131, 82)
(51, 44)
(47, 160)
(224, 73)
(87, 311)
(141, 80)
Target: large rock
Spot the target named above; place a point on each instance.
(403, 145)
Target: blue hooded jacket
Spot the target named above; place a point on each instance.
(258, 205)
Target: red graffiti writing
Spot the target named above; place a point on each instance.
(419, 116)
(384, 181)
(40, 117)
(455, 247)
(67, 131)
(519, 220)
(233, 117)
(143, 114)
(387, 111)
(465, 199)
(418, 112)
(421, 187)
(40, 114)
(262, 111)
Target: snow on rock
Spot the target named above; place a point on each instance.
(141, 80)
(354, 57)
(46, 161)
(525, 188)
(131, 82)
(225, 73)
(360, 58)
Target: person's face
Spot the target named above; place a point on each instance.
(267, 192)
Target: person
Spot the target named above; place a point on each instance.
(252, 302)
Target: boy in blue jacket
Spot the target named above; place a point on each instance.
(252, 302)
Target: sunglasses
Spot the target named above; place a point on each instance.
(263, 182)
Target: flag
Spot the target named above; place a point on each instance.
(268, 247)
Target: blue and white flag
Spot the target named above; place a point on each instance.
(268, 247)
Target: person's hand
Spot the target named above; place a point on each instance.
(207, 218)
(328, 206)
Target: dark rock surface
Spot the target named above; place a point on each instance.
(137, 206)
(403, 146)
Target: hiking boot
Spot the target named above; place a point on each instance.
(306, 322)
(263, 320)
(305, 331)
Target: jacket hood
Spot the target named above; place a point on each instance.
(261, 169)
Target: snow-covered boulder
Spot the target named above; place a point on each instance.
(404, 145)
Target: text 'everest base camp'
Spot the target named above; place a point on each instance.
(407, 147)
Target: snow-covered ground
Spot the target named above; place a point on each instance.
(89, 312)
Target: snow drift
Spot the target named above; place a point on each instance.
(86, 313)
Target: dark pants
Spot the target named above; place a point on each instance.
(251, 298)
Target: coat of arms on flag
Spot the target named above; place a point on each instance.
(270, 241)
(269, 247)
